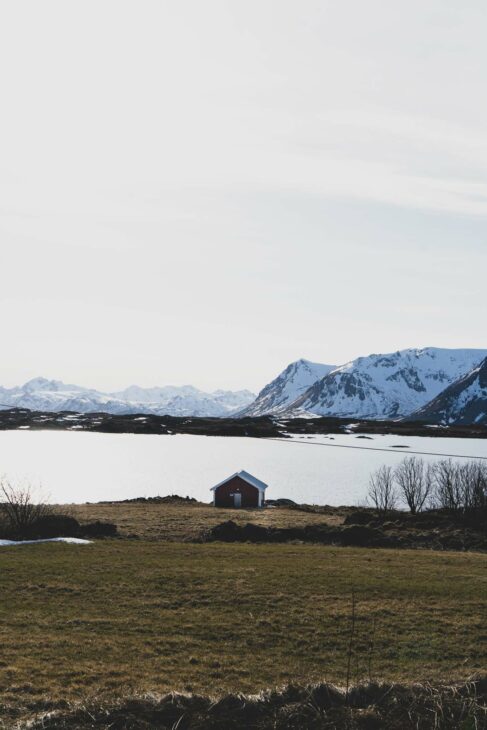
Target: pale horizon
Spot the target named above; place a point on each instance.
(201, 193)
(257, 389)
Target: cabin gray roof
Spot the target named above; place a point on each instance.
(261, 486)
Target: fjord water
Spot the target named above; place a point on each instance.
(75, 467)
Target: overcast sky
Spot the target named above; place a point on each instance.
(201, 192)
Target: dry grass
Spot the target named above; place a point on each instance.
(320, 707)
(153, 521)
(118, 618)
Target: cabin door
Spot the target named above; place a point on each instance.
(237, 500)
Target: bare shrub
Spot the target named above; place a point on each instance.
(382, 490)
(415, 481)
(18, 509)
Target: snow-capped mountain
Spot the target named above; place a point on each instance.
(430, 384)
(463, 402)
(287, 387)
(53, 395)
(387, 386)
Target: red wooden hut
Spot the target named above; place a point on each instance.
(239, 490)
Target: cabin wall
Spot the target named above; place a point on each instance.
(224, 494)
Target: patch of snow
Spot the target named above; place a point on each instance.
(69, 540)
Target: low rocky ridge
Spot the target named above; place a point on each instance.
(435, 529)
(255, 427)
(168, 499)
(374, 706)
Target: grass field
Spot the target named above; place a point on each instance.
(181, 521)
(118, 617)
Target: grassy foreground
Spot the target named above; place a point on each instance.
(121, 617)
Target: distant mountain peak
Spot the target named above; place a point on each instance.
(41, 384)
(294, 380)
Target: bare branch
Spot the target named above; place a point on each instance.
(415, 482)
(382, 492)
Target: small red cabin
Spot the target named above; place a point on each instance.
(239, 490)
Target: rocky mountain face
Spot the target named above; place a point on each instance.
(287, 387)
(388, 386)
(52, 395)
(464, 402)
(377, 386)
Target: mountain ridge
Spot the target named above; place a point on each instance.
(54, 395)
(403, 384)
(390, 385)
(463, 402)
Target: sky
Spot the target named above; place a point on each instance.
(204, 192)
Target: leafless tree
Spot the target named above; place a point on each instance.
(460, 486)
(472, 485)
(447, 487)
(17, 506)
(479, 485)
(415, 482)
(382, 491)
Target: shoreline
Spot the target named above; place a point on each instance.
(267, 427)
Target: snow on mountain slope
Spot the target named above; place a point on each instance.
(53, 395)
(217, 404)
(163, 394)
(463, 402)
(387, 386)
(289, 385)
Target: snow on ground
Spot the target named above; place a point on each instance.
(70, 540)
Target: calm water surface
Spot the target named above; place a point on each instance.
(88, 467)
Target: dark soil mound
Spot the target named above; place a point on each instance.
(361, 535)
(370, 707)
(59, 525)
(281, 502)
(99, 529)
(360, 517)
(169, 499)
(374, 534)
(51, 526)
